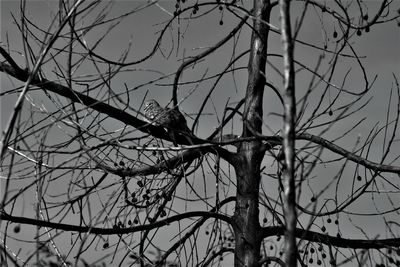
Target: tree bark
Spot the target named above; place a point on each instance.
(250, 154)
(289, 203)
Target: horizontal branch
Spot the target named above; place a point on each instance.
(166, 165)
(273, 141)
(347, 154)
(113, 231)
(333, 240)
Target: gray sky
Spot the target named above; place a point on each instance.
(378, 51)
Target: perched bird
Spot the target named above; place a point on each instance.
(171, 119)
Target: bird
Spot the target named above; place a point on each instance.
(172, 120)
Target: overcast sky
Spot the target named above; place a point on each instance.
(378, 49)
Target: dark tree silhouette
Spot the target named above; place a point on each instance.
(267, 142)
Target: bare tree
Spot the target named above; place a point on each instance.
(262, 145)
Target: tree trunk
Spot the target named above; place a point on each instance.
(246, 219)
(250, 154)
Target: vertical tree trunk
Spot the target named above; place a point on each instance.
(250, 154)
(289, 203)
(247, 237)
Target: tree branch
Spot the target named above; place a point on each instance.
(333, 240)
(200, 56)
(111, 111)
(113, 231)
(347, 154)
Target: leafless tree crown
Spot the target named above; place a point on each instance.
(200, 133)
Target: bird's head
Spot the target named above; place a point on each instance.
(150, 104)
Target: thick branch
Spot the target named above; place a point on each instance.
(113, 231)
(333, 240)
(83, 99)
(109, 110)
